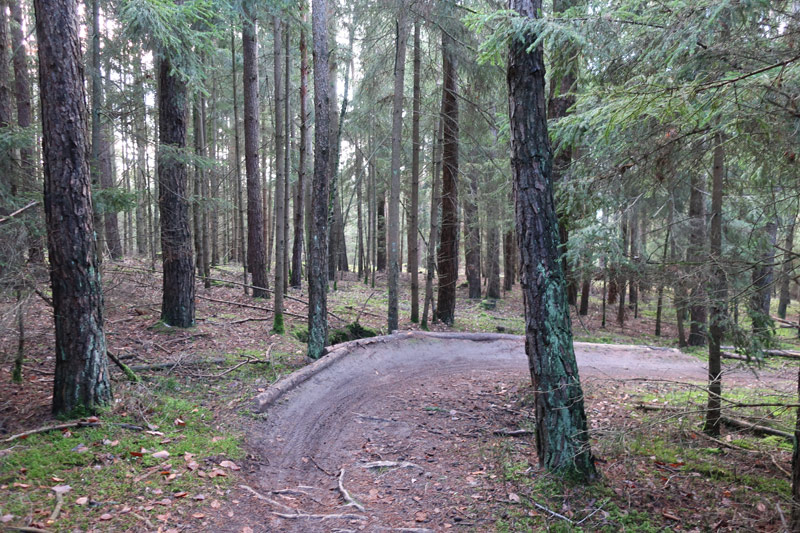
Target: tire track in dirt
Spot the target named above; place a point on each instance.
(406, 398)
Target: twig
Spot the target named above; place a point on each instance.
(553, 513)
(779, 467)
(250, 319)
(351, 502)
(587, 517)
(172, 364)
(147, 522)
(389, 464)
(311, 457)
(249, 360)
(268, 500)
(59, 504)
(735, 422)
(68, 425)
(364, 305)
(513, 432)
(303, 516)
(27, 529)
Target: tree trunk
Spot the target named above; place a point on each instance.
(509, 260)
(763, 277)
(8, 180)
(318, 279)
(177, 307)
(413, 214)
(448, 249)
(716, 294)
(795, 515)
(562, 438)
(433, 235)
(381, 229)
(660, 300)
(786, 268)
(493, 251)
(287, 154)
(256, 251)
(239, 239)
(97, 128)
(299, 199)
(472, 238)
(696, 256)
(81, 380)
(359, 171)
(280, 169)
(586, 289)
(620, 285)
(397, 147)
(140, 132)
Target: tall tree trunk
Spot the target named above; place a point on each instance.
(716, 294)
(562, 438)
(97, 128)
(239, 240)
(493, 251)
(299, 199)
(433, 234)
(795, 514)
(280, 169)
(448, 249)
(177, 307)
(8, 180)
(696, 256)
(397, 147)
(140, 132)
(661, 281)
(256, 251)
(621, 272)
(359, 171)
(318, 280)
(413, 213)
(787, 267)
(22, 93)
(81, 380)
(287, 154)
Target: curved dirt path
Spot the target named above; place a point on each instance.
(431, 400)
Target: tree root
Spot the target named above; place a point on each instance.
(304, 516)
(68, 425)
(351, 502)
(390, 464)
(266, 499)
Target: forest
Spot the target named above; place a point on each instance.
(405, 265)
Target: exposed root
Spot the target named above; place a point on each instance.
(351, 502)
(268, 500)
(390, 464)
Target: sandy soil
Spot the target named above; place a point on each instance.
(426, 402)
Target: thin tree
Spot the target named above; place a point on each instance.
(433, 235)
(717, 293)
(318, 253)
(280, 169)
(448, 248)
(81, 381)
(397, 148)
(695, 254)
(302, 166)
(413, 213)
(256, 252)
(562, 439)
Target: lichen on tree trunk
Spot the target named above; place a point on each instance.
(562, 439)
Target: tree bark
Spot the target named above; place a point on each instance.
(177, 307)
(239, 239)
(299, 199)
(562, 438)
(256, 251)
(318, 278)
(716, 294)
(696, 256)
(413, 213)
(509, 260)
(763, 277)
(787, 267)
(448, 249)
(397, 147)
(81, 381)
(280, 169)
(472, 239)
(433, 234)
(140, 132)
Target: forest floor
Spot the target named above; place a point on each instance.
(195, 457)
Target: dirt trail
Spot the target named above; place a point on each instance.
(430, 400)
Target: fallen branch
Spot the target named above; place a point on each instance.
(734, 422)
(389, 464)
(26, 529)
(250, 319)
(248, 306)
(513, 432)
(249, 360)
(311, 457)
(173, 364)
(59, 504)
(351, 502)
(553, 513)
(130, 374)
(266, 499)
(68, 425)
(303, 516)
(18, 212)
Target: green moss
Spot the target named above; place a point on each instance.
(277, 324)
